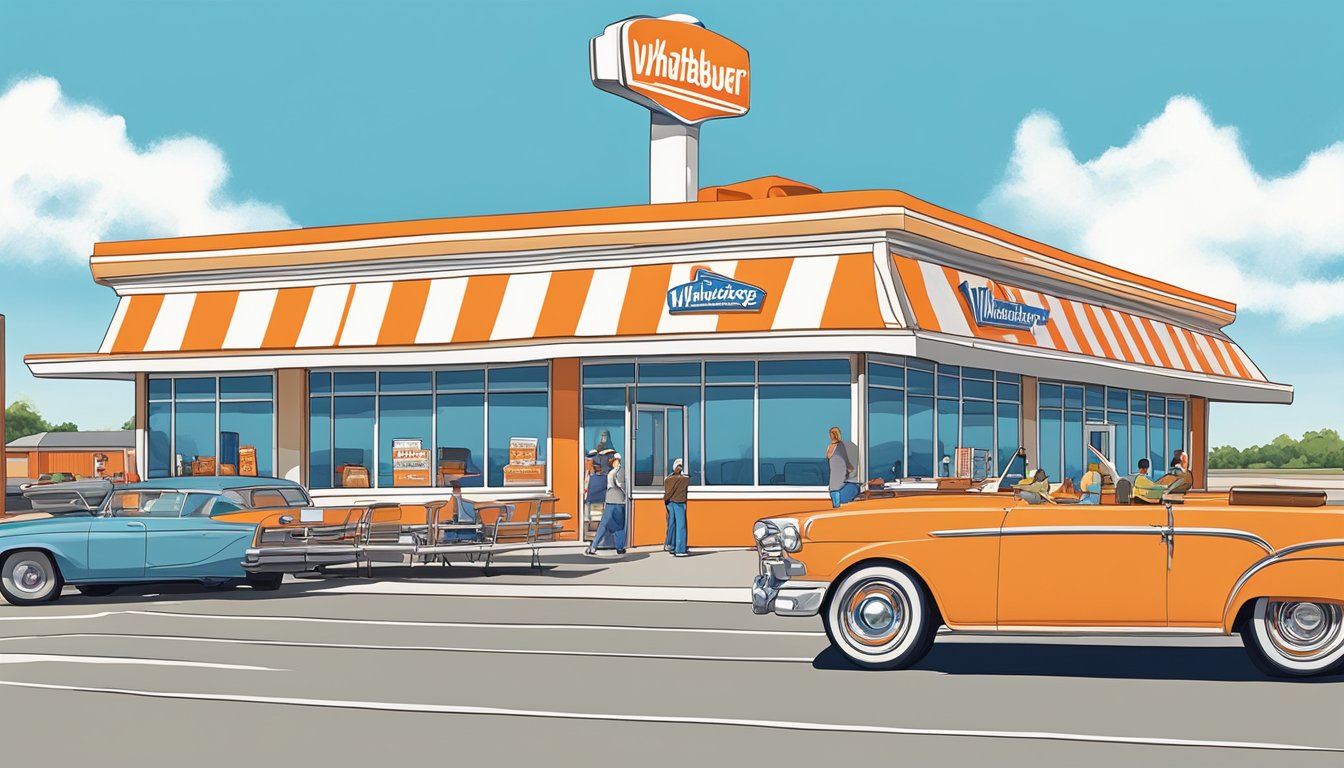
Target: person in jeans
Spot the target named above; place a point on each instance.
(674, 498)
(612, 529)
(841, 468)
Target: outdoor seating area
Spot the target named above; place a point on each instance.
(310, 539)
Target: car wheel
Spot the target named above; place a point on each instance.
(881, 617)
(97, 590)
(221, 584)
(265, 582)
(29, 577)
(1291, 638)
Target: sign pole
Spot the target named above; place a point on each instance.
(674, 160)
(4, 470)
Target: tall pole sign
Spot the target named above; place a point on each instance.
(684, 75)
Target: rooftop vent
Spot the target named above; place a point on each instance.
(757, 189)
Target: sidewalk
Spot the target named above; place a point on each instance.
(646, 573)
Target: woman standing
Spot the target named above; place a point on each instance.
(612, 528)
(841, 469)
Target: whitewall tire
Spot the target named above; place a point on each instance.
(29, 577)
(881, 617)
(1295, 638)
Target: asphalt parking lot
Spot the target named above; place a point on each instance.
(348, 671)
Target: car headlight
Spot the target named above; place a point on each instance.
(760, 530)
(789, 537)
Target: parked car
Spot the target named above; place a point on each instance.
(67, 496)
(178, 529)
(885, 574)
(15, 501)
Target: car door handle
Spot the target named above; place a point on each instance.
(132, 525)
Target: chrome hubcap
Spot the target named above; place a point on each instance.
(875, 617)
(1304, 631)
(29, 576)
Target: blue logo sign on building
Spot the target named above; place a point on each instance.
(988, 310)
(711, 293)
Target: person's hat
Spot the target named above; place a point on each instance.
(616, 457)
(678, 464)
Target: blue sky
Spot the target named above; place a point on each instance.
(338, 112)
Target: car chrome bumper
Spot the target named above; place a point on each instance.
(773, 592)
(296, 559)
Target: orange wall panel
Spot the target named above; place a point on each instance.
(565, 447)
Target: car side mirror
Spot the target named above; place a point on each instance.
(286, 519)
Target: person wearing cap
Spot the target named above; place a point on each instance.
(1034, 489)
(674, 499)
(612, 529)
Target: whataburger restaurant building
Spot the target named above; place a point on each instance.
(732, 331)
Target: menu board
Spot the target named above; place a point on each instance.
(523, 467)
(522, 451)
(247, 461)
(963, 462)
(410, 464)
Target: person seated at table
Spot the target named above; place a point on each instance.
(1179, 478)
(1090, 484)
(1035, 490)
(464, 513)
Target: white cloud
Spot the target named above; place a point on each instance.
(70, 176)
(1182, 203)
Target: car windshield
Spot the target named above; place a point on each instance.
(278, 498)
(155, 503)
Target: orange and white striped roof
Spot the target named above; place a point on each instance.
(1074, 326)
(834, 292)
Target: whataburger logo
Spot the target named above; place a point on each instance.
(709, 292)
(988, 310)
(710, 83)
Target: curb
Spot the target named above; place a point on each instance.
(735, 595)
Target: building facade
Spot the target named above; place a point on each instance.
(732, 332)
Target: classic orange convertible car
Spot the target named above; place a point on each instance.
(885, 574)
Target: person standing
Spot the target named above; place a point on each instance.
(841, 467)
(612, 529)
(674, 498)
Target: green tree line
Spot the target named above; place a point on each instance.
(22, 419)
(1316, 450)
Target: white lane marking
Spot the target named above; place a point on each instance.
(35, 658)
(788, 725)
(444, 624)
(425, 648)
(572, 591)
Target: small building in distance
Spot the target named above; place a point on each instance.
(85, 454)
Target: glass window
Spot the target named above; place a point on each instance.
(729, 435)
(409, 417)
(518, 379)
(319, 443)
(1117, 399)
(165, 504)
(1157, 445)
(886, 433)
(461, 434)
(1175, 407)
(1176, 435)
(1121, 422)
(948, 386)
(1073, 446)
(795, 427)
(603, 418)
(1050, 429)
(977, 373)
(669, 373)
(354, 382)
(948, 370)
(730, 372)
(1007, 435)
(246, 388)
(1073, 397)
(194, 433)
(319, 383)
(1011, 392)
(977, 425)
(918, 382)
(160, 462)
(251, 423)
(886, 376)
(1052, 396)
(610, 373)
(1138, 441)
(979, 390)
(919, 435)
(791, 371)
(1008, 378)
(194, 389)
(160, 389)
(471, 380)
(689, 398)
(948, 434)
(1094, 397)
(1138, 403)
(1157, 405)
(352, 432)
(515, 414)
(405, 381)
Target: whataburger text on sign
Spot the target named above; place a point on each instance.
(674, 67)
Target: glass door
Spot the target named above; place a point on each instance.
(658, 439)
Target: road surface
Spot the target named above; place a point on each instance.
(171, 676)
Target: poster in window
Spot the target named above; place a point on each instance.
(523, 468)
(963, 462)
(410, 464)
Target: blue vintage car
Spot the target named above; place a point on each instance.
(178, 529)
